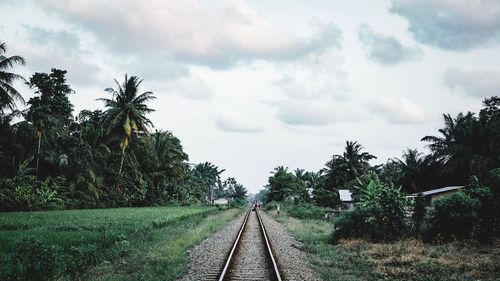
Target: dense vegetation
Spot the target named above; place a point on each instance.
(53, 159)
(467, 152)
(405, 259)
(105, 244)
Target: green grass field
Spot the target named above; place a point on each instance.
(409, 259)
(104, 244)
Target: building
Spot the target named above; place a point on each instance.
(434, 194)
(345, 196)
(221, 201)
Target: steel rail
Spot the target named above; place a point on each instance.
(235, 246)
(236, 243)
(269, 249)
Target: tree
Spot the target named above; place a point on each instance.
(412, 167)
(240, 192)
(469, 144)
(342, 169)
(50, 112)
(283, 185)
(355, 160)
(209, 174)
(126, 112)
(8, 94)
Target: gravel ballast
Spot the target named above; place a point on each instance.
(292, 262)
(206, 259)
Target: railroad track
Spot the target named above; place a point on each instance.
(251, 257)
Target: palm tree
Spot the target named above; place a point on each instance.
(355, 160)
(8, 94)
(411, 166)
(126, 112)
(468, 145)
(210, 176)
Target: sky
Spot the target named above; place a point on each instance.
(250, 85)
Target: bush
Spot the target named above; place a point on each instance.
(380, 216)
(453, 217)
(271, 206)
(418, 215)
(33, 261)
(305, 211)
(357, 223)
(236, 203)
(26, 193)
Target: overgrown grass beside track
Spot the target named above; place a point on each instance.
(403, 260)
(105, 244)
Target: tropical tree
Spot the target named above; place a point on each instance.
(283, 185)
(126, 112)
(469, 144)
(342, 169)
(412, 167)
(209, 174)
(355, 160)
(8, 94)
(50, 112)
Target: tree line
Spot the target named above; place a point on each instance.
(110, 157)
(465, 152)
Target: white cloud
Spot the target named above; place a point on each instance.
(215, 33)
(398, 110)
(315, 77)
(386, 50)
(472, 81)
(297, 113)
(191, 87)
(451, 24)
(233, 121)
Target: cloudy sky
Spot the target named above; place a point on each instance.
(249, 85)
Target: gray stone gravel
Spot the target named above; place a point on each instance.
(291, 261)
(206, 259)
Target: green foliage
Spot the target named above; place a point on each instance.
(8, 94)
(32, 261)
(453, 217)
(418, 215)
(305, 211)
(379, 216)
(284, 185)
(273, 205)
(70, 242)
(27, 193)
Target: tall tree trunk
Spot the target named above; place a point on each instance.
(39, 133)
(123, 158)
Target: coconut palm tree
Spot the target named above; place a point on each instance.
(210, 176)
(126, 112)
(355, 160)
(8, 94)
(468, 145)
(412, 167)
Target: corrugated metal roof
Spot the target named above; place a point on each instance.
(439, 190)
(345, 195)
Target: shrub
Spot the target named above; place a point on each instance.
(357, 223)
(236, 203)
(305, 211)
(26, 193)
(33, 261)
(271, 206)
(379, 216)
(418, 215)
(452, 217)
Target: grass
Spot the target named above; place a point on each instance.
(404, 260)
(105, 244)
